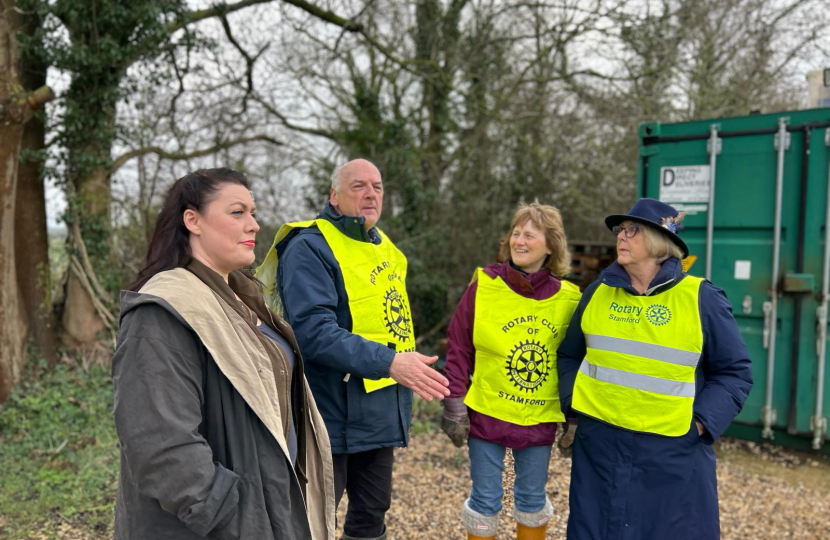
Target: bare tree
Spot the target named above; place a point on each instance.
(464, 106)
(105, 40)
(467, 106)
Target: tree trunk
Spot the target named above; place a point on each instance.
(122, 33)
(31, 235)
(82, 324)
(13, 114)
(12, 323)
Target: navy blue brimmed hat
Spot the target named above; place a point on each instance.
(658, 214)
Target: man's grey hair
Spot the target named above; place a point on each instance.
(336, 177)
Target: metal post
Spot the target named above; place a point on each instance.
(782, 144)
(818, 423)
(713, 146)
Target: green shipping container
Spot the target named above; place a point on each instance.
(756, 192)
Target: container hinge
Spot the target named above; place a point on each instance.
(747, 305)
(787, 139)
(818, 425)
(827, 137)
(768, 415)
(767, 307)
(821, 324)
(649, 151)
(718, 144)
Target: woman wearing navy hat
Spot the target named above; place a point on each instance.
(653, 369)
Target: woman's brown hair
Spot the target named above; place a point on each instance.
(548, 220)
(170, 246)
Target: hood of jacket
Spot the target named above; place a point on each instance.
(537, 285)
(352, 226)
(669, 275)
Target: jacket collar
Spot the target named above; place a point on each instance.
(351, 226)
(521, 282)
(670, 273)
(240, 285)
(218, 285)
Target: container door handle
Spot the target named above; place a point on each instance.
(767, 322)
(782, 144)
(818, 422)
(714, 146)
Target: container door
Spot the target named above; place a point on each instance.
(744, 215)
(808, 393)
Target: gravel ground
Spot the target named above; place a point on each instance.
(761, 494)
(765, 493)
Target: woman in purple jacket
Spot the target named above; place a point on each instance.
(501, 364)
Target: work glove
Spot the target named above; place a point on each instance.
(455, 422)
(567, 439)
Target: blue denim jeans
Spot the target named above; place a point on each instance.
(486, 467)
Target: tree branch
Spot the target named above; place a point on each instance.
(17, 106)
(40, 97)
(287, 123)
(215, 11)
(221, 10)
(249, 62)
(348, 25)
(178, 156)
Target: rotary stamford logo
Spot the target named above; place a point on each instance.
(396, 314)
(527, 365)
(658, 314)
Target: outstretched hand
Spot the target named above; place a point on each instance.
(412, 370)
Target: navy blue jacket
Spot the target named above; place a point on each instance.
(310, 284)
(637, 486)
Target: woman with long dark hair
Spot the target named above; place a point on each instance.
(220, 436)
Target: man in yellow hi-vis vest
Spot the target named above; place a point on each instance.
(342, 284)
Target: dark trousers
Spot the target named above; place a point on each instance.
(367, 478)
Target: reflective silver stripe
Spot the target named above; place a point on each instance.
(645, 350)
(637, 381)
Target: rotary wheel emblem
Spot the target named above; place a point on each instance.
(396, 315)
(658, 314)
(527, 365)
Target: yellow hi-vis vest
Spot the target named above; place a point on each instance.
(515, 339)
(642, 352)
(375, 279)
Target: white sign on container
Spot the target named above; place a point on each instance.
(688, 184)
(743, 269)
